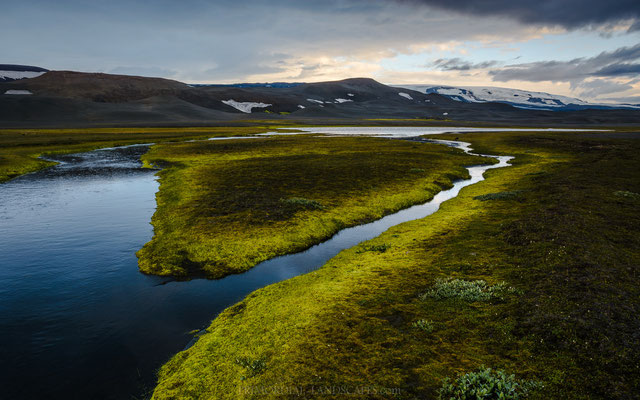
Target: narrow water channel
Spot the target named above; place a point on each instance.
(77, 319)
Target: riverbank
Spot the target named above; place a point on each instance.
(20, 149)
(224, 206)
(560, 227)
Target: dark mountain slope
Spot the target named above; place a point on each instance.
(61, 98)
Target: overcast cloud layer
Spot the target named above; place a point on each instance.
(570, 14)
(576, 48)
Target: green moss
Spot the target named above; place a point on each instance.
(570, 247)
(225, 206)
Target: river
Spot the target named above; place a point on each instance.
(77, 319)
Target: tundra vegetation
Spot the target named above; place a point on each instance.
(20, 149)
(224, 206)
(567, 243)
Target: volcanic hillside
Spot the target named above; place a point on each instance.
(64, 98)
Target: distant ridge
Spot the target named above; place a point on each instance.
(68, 98)
(250, 85)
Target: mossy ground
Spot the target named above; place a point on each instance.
(20, 148)
(567, 243)
(224, 206)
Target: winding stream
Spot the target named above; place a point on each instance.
(77, 319)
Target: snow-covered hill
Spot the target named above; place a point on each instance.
(515, 97)
(9, 72)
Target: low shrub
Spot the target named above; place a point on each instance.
(301, 202)
(486, 383)
(627, 195)
(477, 290)
(424, 325)
(253, 366)
(380, 248)
(498, 196)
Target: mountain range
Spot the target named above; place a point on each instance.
(44, 98)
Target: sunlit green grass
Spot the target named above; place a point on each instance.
(568, 243)
(224, 206)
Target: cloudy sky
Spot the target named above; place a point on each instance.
(582, 48)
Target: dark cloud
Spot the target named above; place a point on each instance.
(570, 14)
(619, 69)
(606, 64)
(458, 64)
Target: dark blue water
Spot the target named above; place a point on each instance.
(77, 319)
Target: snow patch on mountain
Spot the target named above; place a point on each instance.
(515, 97)
(15, 91)
(11, 72)
(405, 95)
(244, 106)
(343, 100)
(315, 101)
(15, 75)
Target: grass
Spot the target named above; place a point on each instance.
(225, 206)
(20, 148)
(567, 242)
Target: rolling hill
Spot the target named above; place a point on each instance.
(67, 98)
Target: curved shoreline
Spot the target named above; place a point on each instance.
(295, 264)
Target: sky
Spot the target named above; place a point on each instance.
(581, 48)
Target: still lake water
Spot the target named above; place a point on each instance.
(77, 319)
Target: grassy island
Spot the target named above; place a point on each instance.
(540, 282)
(224, 206)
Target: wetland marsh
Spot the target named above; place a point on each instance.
(80, 320)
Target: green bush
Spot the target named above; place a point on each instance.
(253, 366)
(416, 170)
(627, 195)
(301, 202)
(486, 384)
(477, 290)
(498, 196)
(380, 248)
(424, 325)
